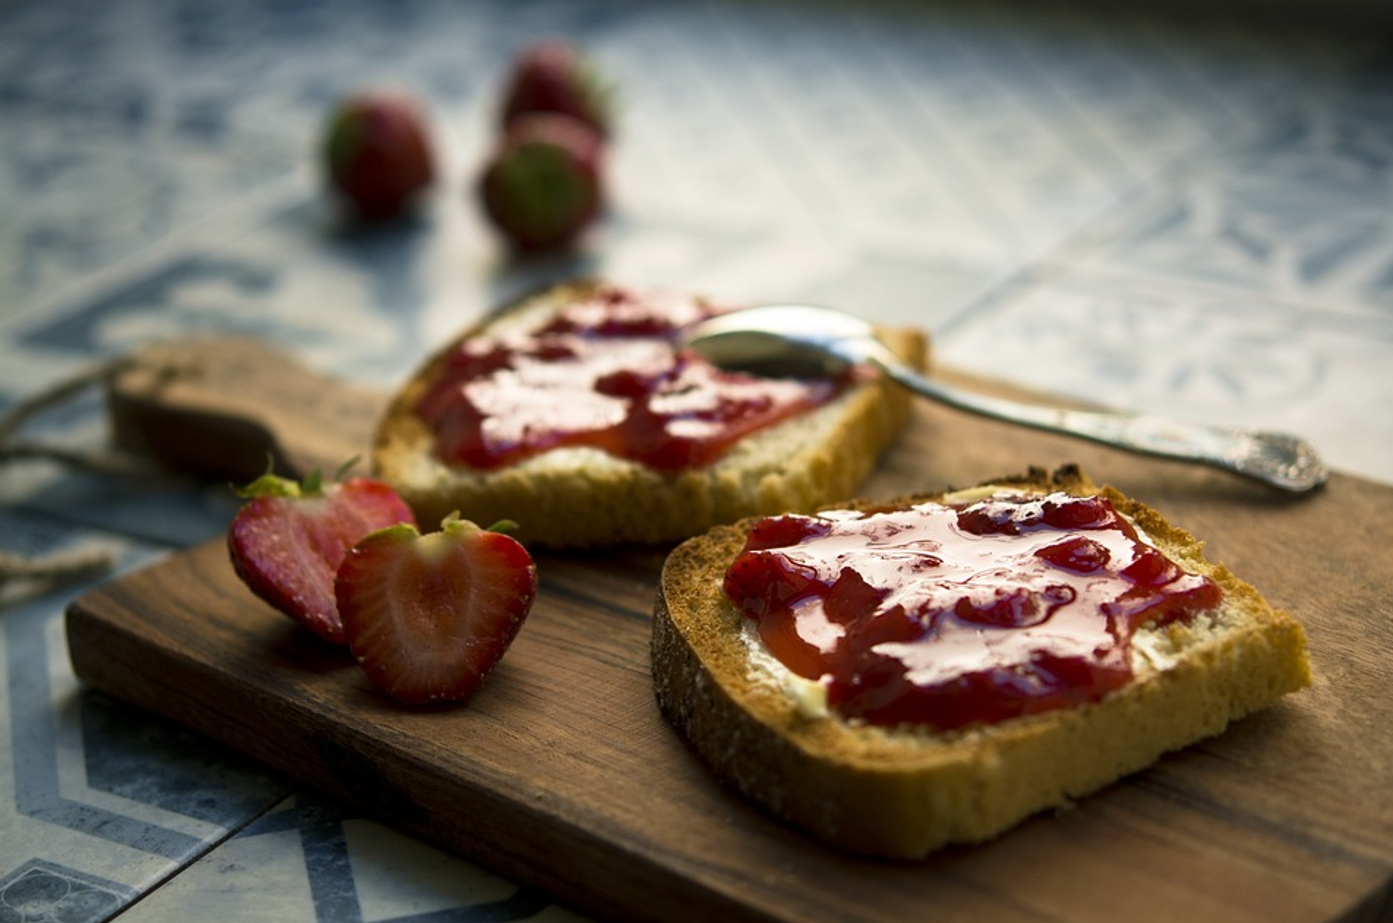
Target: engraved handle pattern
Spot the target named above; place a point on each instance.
(1278, 459)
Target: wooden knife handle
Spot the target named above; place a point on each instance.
(223, 405)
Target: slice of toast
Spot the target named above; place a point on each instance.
(585, 497)
(905, 790)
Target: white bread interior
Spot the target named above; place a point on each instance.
(904, 792)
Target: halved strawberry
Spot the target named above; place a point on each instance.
(429, 615)
(287, 540)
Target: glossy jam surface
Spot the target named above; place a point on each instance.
(604, 372)
(952, 615)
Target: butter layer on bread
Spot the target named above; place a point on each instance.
(905, 791)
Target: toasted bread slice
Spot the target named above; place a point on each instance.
(905, 790)
(580, 496)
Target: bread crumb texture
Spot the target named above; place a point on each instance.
(580, 497)
(904, 792)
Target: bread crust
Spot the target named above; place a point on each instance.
(906, 792)
(585, 498)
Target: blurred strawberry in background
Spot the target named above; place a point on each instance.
(544, 182)
(554, 75)
(377, 153)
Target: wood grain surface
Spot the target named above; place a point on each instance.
(223, 405)
(562, 774)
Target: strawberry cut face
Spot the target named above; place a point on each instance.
(287, 540)
(429, 616)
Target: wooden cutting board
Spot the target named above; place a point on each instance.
(562, 774)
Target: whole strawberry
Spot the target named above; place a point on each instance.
(429, 616)
(553, 75)
(377, 153)
(544, 185)
(287, 540)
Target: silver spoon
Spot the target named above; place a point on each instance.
(805, 341)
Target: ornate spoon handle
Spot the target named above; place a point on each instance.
(1278, 459)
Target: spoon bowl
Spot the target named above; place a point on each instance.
(804, 341)
(792, 341)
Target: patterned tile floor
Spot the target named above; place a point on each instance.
(1193, 218)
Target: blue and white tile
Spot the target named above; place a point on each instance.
(1299, 206)
(1195, 352)
(99, 802)
(177, 110)
(309, 860)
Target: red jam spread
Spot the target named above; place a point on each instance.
(958, 614)
(605, 372)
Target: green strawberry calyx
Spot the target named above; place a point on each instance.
(451, 525)
(271, 484)
(454, 523)
(344, 141)
(503, 527)
(598, 92)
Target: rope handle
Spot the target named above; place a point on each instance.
(67, 566)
